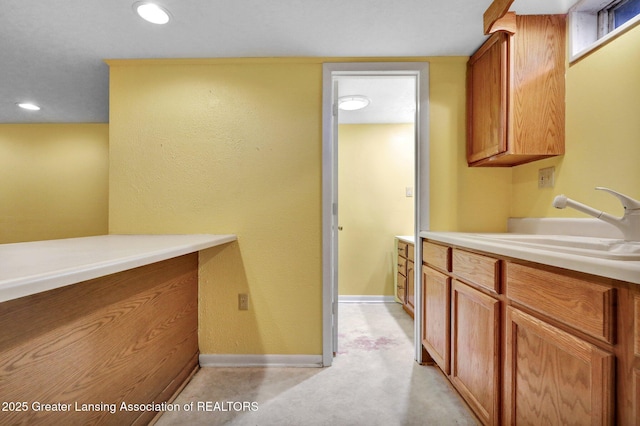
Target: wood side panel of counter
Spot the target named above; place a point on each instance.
(128, 337)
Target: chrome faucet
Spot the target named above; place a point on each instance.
(629, 223)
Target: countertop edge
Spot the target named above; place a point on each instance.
(406, 238)
(32, 284)
(628, 271)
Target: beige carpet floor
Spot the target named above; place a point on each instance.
(373, 381)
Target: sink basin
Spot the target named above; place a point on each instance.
(604, 248)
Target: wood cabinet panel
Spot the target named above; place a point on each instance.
(477, 269)
(539, 85)
(636, 392)
(437, 256)
(128, 337)
(436, 317)
(554, 378)
(410, 252)
(636, 325)
(401, 289)
(405, 282)
(403, 249)
(516, 94)
(583, 305)
(475, 354)
(569, 343)
(487, 93)
(402, 265)
(410, 289)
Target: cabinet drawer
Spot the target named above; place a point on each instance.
(583, 305)
(402, 249)
(402, 266)
(476, 269)
(436, 255)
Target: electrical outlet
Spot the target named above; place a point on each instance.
(546, 177)
(243, 301)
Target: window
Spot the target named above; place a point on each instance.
(595, 22)
(616, 14)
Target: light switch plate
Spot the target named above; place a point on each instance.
(546, 177)
(409, 191)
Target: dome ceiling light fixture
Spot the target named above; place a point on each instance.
(151, 12)
(353, 102)
(28, 106)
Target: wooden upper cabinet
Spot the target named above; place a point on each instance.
(516, 94)
(487, 99)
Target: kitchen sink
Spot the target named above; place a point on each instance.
(604, 248)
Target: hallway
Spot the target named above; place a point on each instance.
(373, 381)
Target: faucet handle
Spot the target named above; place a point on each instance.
(628, 202)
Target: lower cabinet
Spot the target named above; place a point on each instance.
(635, 358)
(410, 301)
(475, 353)
(529, 344)
(405, 276)
(436, 318)
(555, 377)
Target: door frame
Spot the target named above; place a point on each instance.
(330, 192)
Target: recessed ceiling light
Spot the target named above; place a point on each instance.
(29, 106)
(151, 12)
(353, 102)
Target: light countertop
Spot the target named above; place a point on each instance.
(34, 267)
(406, 238)
(623, 270)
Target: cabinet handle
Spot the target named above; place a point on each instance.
(339, 228)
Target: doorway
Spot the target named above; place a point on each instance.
(349, 74)
(376, 174)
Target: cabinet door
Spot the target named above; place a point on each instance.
(554, 378)
(436, 316)
(401, 288)
(410, 290)
(475, 353)
(636, 358)
(487, 91)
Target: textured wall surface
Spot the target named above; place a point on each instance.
(376, 164)
(602, 135)
(462, 198)
(235, 146)
(53, 181)
(228, 148)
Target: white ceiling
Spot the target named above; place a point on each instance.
(393, 99)
(52, 52)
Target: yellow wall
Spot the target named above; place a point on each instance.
(53, 181)
(602, 135)
(376, 164)
(461, 198)
(228, 147)
(235, 146)
(225, 146)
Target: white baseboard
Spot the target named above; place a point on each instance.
(231, 360)
(366, 299)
